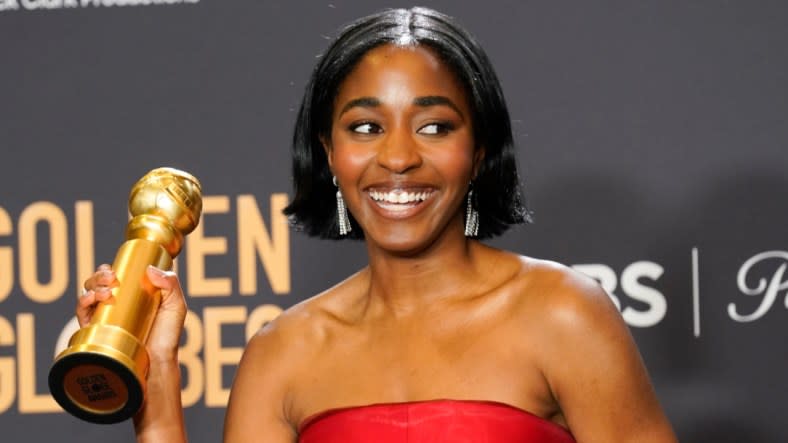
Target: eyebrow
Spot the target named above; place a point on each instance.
(363, 102)
(436, 100)
(423, 102)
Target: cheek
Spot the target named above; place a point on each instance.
(348, 160)
(455, 164)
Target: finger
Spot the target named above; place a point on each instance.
(103, 294)
(85, 308)
(103, 277)
(106, 277)
(86, 299)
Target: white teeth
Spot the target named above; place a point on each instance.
(400, 197)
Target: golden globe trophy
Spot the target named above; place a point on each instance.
(101, 376)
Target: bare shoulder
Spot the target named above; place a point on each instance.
(568, 310)
(566, 298)
(299, 331)
(589, 359)
(547, 292)
(261, 396)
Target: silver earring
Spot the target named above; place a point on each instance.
(342, 218)
(471, 217)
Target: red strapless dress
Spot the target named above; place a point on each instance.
(432, 421)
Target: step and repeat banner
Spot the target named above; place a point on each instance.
(652, 138)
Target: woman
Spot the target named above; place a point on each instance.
(403, 139)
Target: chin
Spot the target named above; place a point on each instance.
(401, 242)
(401, 246)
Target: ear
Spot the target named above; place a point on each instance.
(478, 158)
(327, 148)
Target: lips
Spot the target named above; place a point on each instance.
(399, 196)
(399, 202)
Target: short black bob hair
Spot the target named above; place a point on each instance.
(496, 188)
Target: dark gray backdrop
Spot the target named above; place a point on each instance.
(646, 130)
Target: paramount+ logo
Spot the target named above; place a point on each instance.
(33, 5)
(762, 277)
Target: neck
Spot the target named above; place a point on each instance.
(406, 283)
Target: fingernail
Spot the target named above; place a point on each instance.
(156, 270)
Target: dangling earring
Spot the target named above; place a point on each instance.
(342, 218)
(471, 217)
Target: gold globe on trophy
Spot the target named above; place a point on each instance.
(101, 376)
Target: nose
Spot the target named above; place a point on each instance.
(399, 152)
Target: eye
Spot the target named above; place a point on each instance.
(366, 128)
(436, 128)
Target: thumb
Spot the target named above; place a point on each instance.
(171, 292)
(164, 280)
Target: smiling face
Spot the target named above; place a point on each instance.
(402, 147)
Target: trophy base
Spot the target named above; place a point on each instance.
(95, 388)
(99, 383)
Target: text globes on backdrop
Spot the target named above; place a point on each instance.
(101, 376)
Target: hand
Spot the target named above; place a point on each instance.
(97, 289)
(165, 333)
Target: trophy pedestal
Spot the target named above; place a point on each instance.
(100, 377)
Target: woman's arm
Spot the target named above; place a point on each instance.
(161, 416)
(595, 371)
(257, 411)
